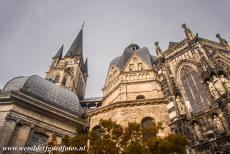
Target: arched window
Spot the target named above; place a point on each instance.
(64, 81)
(196, 91)
(147, 123)
(221, 63)
(134, 59)
(38, 139)
(96, 132)
(57, 77)
(140, 66)
(140, 97)
(131, 67)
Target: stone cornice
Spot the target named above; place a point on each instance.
(31, 122)
(125, 104)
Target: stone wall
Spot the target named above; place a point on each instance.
(4, 110)
(123, 115)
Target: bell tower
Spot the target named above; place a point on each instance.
(70, 71)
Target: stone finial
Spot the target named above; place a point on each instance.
(189, 34)
(222, 40)
(158, 50)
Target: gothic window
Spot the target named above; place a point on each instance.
(134, 59)
(65, 63)
(140, 66)
(96, 132)
(64, 81)
(147, 123)
(131, 67)
(38, 139)
(223, 65)
(196, 91)
(57, 77)
(140, 97)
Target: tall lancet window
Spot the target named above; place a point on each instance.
(195, 90)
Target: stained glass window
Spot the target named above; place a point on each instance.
(196, 91)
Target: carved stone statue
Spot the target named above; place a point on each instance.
(219, 85)
(196, 55)
(218, 123)
(225, 82)
(213, 90)
(180, 105)
(197, 131)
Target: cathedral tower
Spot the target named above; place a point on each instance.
(71, 70)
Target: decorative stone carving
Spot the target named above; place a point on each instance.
(180, 105)
(218, 123)
(196, 55)
(225, 82)
(213, 90)
(197, 131)
(218, 85)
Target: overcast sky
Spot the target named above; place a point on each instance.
(31, 31)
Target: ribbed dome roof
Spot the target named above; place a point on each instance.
(47, 92)
(143, 53)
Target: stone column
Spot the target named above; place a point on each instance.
(7, 131)
(59, 140)
(21, 137)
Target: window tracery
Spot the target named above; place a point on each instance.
(195, 90)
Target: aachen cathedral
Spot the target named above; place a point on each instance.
(186, 87)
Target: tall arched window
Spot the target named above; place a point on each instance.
(221, 63)
(64, 81)
(96, 132)
(131, 67)
(147, 123)
(140, 66)
(57, 77)
(196, 91)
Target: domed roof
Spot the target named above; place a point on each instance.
(143, 53)
(47, 92)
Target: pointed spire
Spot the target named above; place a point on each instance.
(158, 50)
(59, 53)
(189, 34)
(222, 40)
(76, 47)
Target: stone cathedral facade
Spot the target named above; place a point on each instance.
(186, 87)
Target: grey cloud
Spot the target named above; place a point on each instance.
(31, 31)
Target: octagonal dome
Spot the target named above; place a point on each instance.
(46, 91)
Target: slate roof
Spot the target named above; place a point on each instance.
(59, 53)
(46, 91)
(143, 53)
(76, 47)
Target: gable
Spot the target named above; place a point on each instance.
(136, 63)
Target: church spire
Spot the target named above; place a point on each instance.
(222, 40)
(59, 53)
(189, 34)
(76, 47)
(158, 50)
